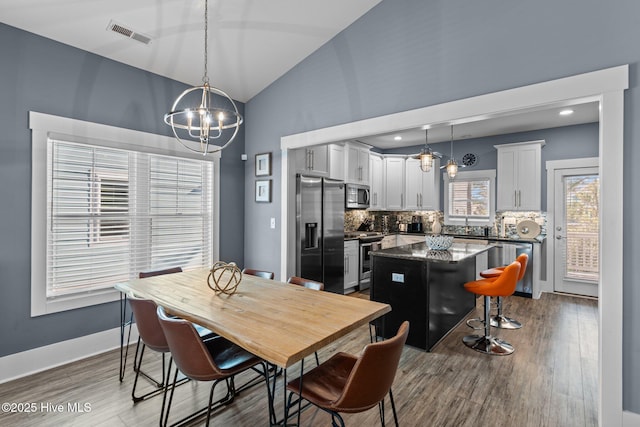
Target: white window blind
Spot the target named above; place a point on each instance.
(470, 198)
(114, 213)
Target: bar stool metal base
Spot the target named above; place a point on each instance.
(504, 322)
(476, 323)
(488, 345)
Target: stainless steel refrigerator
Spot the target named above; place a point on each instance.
(320, 231)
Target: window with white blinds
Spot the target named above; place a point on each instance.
(469, 198)
(113, 213)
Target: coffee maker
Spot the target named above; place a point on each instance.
(416, 224)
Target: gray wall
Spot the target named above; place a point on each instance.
(569, 142)
(406, 54)
(45, 76)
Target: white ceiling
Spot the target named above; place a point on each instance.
(477, 127)
(251, 42)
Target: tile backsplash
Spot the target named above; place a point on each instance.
(389, 221)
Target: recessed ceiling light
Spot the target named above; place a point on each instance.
(567, 112)
(397, 138)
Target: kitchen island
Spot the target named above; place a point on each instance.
(424, 287)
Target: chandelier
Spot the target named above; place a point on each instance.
(204, 115)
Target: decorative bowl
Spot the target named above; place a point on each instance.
(439, 242)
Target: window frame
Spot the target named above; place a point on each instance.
(45, 126)
(489, 174)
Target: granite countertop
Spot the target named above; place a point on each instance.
(539, 239)
(420, 252)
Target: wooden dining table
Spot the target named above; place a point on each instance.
(278, 322)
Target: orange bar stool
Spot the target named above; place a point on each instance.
(503, 286)
(500, 321)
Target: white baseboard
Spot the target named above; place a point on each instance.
(40, 359)
(630, 419)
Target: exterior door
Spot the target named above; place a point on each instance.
(576, 232)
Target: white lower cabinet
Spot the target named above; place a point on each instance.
(350, 265)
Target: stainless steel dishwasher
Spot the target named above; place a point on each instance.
(504, 253)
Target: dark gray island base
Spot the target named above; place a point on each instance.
(424, 287)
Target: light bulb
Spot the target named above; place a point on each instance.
(452, 169)
(426, 161)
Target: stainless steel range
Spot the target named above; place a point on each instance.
(369, 241)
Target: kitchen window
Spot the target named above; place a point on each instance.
(111, 210)
(469, 199)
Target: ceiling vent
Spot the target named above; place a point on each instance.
(127, 32)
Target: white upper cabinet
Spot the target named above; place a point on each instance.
(394, 182)
(313, 160)
(336, 161)
(422, 189)
(519, 176)
(376, 181)
(357, 163)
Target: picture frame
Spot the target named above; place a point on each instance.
(263, 164)
(263, 191)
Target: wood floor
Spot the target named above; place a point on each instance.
(550, 380)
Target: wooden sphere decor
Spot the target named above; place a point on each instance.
(226, 277)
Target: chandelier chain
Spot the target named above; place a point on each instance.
(451, 142)
(205, 78)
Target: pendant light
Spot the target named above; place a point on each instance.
(452, 165)
(426, 155)
(204, 115)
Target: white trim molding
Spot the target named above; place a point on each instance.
(605, 86)
(45, 126)
(630, 419)
(40, 359)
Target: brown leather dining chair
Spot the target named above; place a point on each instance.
(144, 274)
(307, 283)
(150, 335)
(260, 273)
(349, 384)
(214, 360)
(124, 349)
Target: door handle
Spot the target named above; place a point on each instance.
(558, 237)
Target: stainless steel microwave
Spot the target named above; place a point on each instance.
(356, 196)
